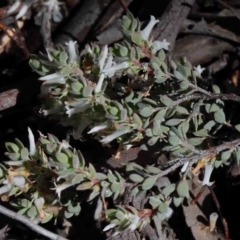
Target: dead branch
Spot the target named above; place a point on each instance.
(30, 224)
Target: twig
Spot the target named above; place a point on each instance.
(171, 21)
(16, 36)
(124, 5)
(224, 4)
(224, 222)
(194, 201)
(46, 28)
(203, 154)
(30, 224)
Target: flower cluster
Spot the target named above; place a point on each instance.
(131, 93)
(52, 6)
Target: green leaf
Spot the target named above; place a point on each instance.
(135, 191)
(174, 140)
(209, 125)
(182, 110)
(163, 208)
(136, 38)
(123, 51)
(111, 177)
(149, 132)
(160, 115)
(155, 202)
(182, 188)
(178, 75)
(166, 101)
(12, 147)
(237, 127)
(201, 133)
(146, 111)
(173, 122)
(84, 186)
(152, 169)
(152, 141)
(184, 84)
(74, 208)
(77, 179)
(136, 178)
(225, 155)
(219, 116)
(120, 215)
(161, 55)
(24, 154)
(169, 189)
(62, 157)
(51, 147)
(214, 108)
(115, 187)
(195, 141)
(216, 89)
(177, 201)
(148, 183)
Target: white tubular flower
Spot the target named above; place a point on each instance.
(53, 6)
(198, 70)
(81, 107)
(24, 9)
(73, 57)
(98, 210)
(169, 212)
(145, 33)
(14, 7)
(51, 111)
(109, 226)
(111, 70)
(158, 45)
(184, 167)
(134, 219)
(98, 128)
(32, 146)
(39, 203)
(18, 181)
(78, 132)
(98, 87)
(207, 174)
(5, 188)
(115, 135)
(53, 78)
(65, 185)
(103, 57)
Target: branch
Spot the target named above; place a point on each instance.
(30, 224)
